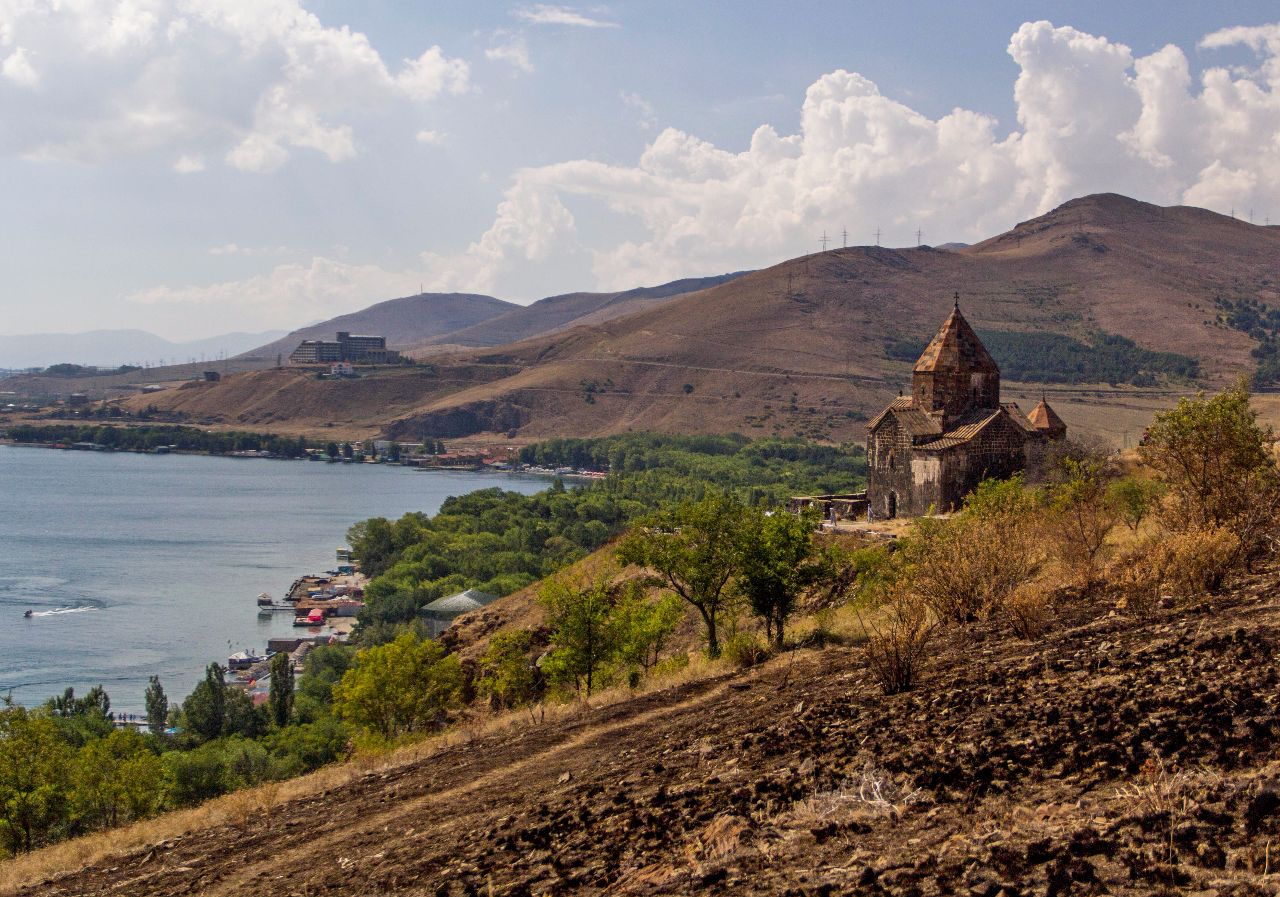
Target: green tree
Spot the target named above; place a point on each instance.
(506, 676)
(408, 685)
(583, 637)
(642, 627)
(1080, 516)
(332, 450)
(242, 717)
(157, 703)
(778, 562)
(116, 779)
(33, 778)
(204, 712)
(281, 697)
(1134, 498)
(80, 720)
(1214, 459)
(693, 551)
(321, 671)
(347, 451)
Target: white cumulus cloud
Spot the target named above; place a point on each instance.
(1091, 117)
(246, 82)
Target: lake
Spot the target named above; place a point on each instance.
(139, 565)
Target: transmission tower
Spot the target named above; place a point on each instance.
(824, 241)
(844, 237)
(919, 234)
(877, 236)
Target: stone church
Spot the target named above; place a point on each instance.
(930, 449)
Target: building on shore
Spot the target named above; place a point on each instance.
(930, 449)
(440, 613)
(348, 347)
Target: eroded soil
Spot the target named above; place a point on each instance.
(1116, 756)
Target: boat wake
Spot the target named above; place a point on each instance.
(58, 611)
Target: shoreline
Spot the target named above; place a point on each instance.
(184, 649)
(266, 456)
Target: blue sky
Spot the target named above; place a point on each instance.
(195, 166)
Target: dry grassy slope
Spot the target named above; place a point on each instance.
(405, 322)
(1116, 756)
(732, 357)
(294, 401)
(556, 313)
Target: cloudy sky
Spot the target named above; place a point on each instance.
(198, 166)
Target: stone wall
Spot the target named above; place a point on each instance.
(901, 482)
(998, 451)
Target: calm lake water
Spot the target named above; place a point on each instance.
(137, 565)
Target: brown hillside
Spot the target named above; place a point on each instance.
(1117, 756)
(800, 347)
(404, 322)
(556, 313)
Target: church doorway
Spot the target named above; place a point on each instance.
(893, 505)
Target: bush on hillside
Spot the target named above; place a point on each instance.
(1215, 462)
(965, 567)
(898, 644)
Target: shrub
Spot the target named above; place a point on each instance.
(1030, 610)
(744, 649)
(898, 645)
(1079, 517)
(1215, 460)
(1134, 498)
(1179, 564)
(965, 567)
(507, 677)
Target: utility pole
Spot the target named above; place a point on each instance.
(823, 241)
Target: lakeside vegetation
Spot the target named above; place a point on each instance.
(150, 438)
(66, 770)
(498, 541)
(1055, 358)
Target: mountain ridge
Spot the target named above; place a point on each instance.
(799, 348)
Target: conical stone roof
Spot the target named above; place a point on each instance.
(1043, 417)
(956, 348)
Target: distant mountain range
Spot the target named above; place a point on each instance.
(404, 322)
(112, 348)
(471, 320)
(1103, 289)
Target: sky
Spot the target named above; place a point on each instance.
(192, 167)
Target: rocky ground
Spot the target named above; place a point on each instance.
(1115, 756)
